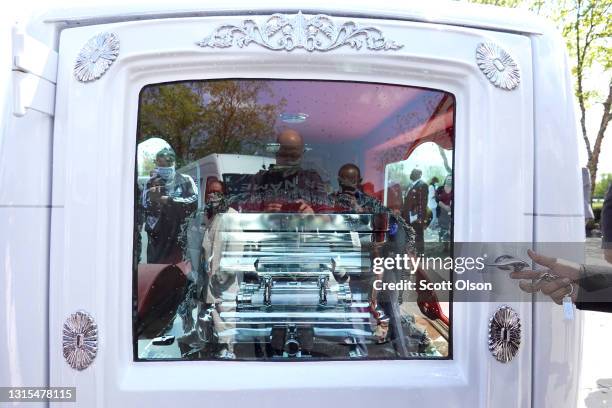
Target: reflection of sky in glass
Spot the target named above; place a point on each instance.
(358, 122)
(339, 111)
(367, 124)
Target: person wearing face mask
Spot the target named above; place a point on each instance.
(168, 200)
(349, 180)
(399, 239)
(286, 186)
(211, 283)
(351, 198)
(215, 200)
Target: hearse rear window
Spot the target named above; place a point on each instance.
(279, 220)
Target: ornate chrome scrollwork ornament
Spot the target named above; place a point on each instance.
(498, 66)
(287, 32)
(96, 57)
(80, 340)
(504, 334)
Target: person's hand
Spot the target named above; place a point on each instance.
(304, 208)
(155, 194)
(557, 281)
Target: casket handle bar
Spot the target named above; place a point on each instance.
(507, 262)
(267, 282)
(331, 266)
(163, 341)
(323, 283)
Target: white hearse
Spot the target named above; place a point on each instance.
(357, 136)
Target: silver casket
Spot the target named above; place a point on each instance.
(288, 282)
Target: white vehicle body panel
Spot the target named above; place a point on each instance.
(67, 244)
(172, 57)
(216, 165)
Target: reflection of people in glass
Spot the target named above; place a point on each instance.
(432, 203)
(352, 198)
(168, 199)
(415, 207)
(138, 223)
(215, 199)
(398, 240)
(211, 282)
(285, 186)
(216, 281)
(444, 196)
(349, 180)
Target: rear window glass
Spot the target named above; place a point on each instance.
(272, 218)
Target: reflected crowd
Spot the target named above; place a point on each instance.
(271, 260)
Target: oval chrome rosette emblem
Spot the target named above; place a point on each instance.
(498, 66)
(96, 57)
(80, 340)
(504, 334)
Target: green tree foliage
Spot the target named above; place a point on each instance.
(501, 3)
(171, 112)
(200, 118)
(601, 187)
(586, 26)
(148, 164)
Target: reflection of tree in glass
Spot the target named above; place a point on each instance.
(200, 118)
(444, 157)
(148, 164)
